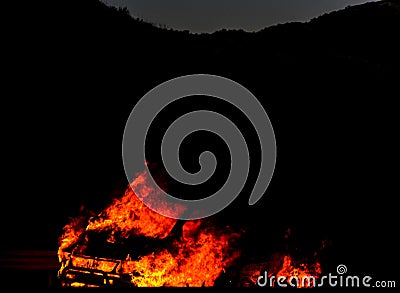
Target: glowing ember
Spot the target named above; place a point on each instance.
(103, 265)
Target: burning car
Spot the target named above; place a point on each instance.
(128, 244)
(95, 260)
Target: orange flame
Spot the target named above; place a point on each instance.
(200, 259)
(129, 215)
(302, 272)
(71, 234)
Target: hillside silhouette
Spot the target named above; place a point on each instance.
(75, 69)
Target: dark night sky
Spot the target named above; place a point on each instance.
(211, 15)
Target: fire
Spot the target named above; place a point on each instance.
(291, 272)
(71, 234)
(129, 215)
(200, 259)
(195, 257)
(302, 272)
(103, 265)
(181, 254)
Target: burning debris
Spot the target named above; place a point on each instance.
(128, 244)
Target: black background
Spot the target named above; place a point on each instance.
(74, 72)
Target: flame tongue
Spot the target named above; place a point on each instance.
(129, 215)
